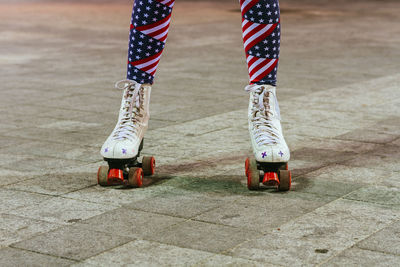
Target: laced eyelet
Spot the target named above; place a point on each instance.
(264, 129)
(127, 126)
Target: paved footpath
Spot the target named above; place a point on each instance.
(339, 90)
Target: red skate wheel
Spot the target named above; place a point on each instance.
(285, 178)
(271, 179)
(102, 174)
(246, 167)
(253, 175)
(115, 176)
(135, 177)
(148, 165)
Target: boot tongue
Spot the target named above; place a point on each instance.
(128, 96)
(130, 92)
(268, 108)
(263, 107)
(133, 102)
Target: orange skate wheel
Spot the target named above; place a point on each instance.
(253, 175)
(285, 178)
(148, 165)
(102, 175)
(135, 177)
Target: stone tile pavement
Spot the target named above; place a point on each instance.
(339, 91)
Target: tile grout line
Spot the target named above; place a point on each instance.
(355, 245)
(42, 253)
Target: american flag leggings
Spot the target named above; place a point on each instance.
(149, 29)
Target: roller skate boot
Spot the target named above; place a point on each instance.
(269, 166)
(122, 148)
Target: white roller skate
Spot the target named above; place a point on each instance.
(270, 149)
(122, 148)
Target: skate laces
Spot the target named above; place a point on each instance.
(265, 131)
(128, 123)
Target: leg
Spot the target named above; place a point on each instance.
(148, 33)
(261, 38)
(149, 29)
